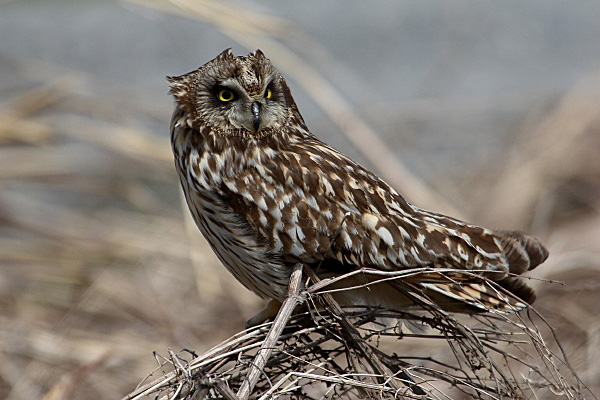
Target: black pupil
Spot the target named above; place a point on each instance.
(227, 95)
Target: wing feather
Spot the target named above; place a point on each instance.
(310, 202)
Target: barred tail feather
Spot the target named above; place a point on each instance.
(522, 253)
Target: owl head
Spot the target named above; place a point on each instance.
(235, 95)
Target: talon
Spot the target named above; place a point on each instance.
(269, 312)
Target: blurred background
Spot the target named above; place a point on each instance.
(486, 110)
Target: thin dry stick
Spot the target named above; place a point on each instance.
(283, 316)
(353, 333)
(225, 391)
(285, 372)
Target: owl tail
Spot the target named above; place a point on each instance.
(522, 253)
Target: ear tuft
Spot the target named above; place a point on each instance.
(226, 55)
(181, 87)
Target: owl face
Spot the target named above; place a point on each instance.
(235, 95)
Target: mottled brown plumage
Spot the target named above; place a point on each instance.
(266, 194)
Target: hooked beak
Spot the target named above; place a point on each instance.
(256, 115)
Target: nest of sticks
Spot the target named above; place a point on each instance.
(326, 352)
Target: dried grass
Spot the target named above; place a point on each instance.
(330, 353)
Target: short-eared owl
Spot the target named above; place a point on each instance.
(266, 193)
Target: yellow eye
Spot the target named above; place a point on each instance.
(226, 95)
(268, 93)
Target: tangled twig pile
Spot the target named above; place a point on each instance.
(325, 352)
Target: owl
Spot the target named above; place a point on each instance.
(266, 194)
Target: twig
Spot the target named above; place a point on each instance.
(353, 333)
(224, 390)
(323, 341)
(281, 320)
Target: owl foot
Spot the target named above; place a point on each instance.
(270, 311)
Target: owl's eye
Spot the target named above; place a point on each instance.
(268, 93)
(226, 95)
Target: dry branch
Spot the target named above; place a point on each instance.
(280, 322)
(330, 352)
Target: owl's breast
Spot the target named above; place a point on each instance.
(230, 236)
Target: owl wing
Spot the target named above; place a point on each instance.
(310, 203)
